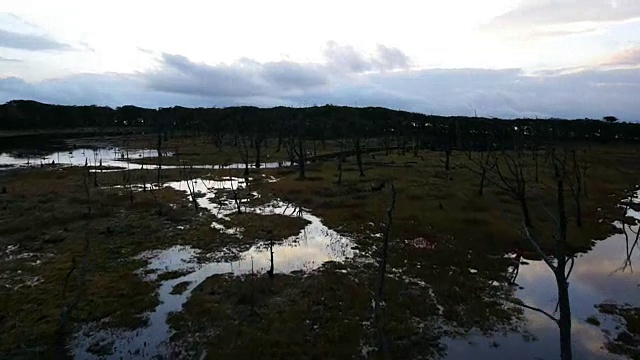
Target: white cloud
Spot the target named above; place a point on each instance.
(553, 12)
(176, 80)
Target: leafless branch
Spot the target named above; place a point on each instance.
(522, 304)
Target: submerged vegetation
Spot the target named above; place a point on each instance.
(279, 253)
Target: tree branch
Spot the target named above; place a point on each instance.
(522, 304)
(533, 242)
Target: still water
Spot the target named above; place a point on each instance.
(313, 246)
(604, 274)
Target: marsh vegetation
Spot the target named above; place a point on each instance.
(322, 233)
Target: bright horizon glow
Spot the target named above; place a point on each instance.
(45, 45)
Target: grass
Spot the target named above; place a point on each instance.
(324, 314)
(432, 201)
(47, 212)
(180, 288)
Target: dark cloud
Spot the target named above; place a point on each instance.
(293, 76)
(391, 58)
(244, 78)
(30, 42)
(568, 93)
(537, 13)
(347, 59)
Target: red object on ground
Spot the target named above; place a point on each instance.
(424, 243)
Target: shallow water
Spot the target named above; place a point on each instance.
(313, 246)
(109, 157)
(598, 276)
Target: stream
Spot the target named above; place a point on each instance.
(313, 246)
(604, 274)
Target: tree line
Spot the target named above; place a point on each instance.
(394, 128)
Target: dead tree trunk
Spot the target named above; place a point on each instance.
(560, 272)
(447, 153)
(382, 269)
(159, 157)
(575, 184)
(271, 269)
(299, 150)
(340, 161)
(560, 267)
(257, 145)
(359, 156)
(244, 154)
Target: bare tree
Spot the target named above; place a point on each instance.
(296, 148)
(357, 146)
(512, 178)
(560, 262)
(59, 350)
(243, 149)
(482, 163)
(340, 162)
(577, 184)
(382, 269)
(258, 142)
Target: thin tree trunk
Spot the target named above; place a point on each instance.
(565, 315)
(561, 278)
(447, 164)
(159, 157)
(340, 160)
(382, 273)
(525, 211)
(359, 157)
(271, 269)
(257, 148)
(301, 160)
(578, 210)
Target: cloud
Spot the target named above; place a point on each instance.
(10, 60)
(627, 57)
(547, 12)
(390, 58)
(345, 58)
(177, 80)
(30, 42)
(244, 78)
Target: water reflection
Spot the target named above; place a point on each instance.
(313, 246)
(598, 276)
(111, 157)
(108, 157)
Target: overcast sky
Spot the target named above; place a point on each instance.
(506, 58)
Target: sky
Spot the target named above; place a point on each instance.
(503, 58)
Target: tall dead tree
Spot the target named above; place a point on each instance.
(481, 163)
(243, 150)
(577, 184)
(340, 162)
(295, 142)
(357, 146)
(382, 270)
(258, 142)
(561, 261)
(510, 168)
